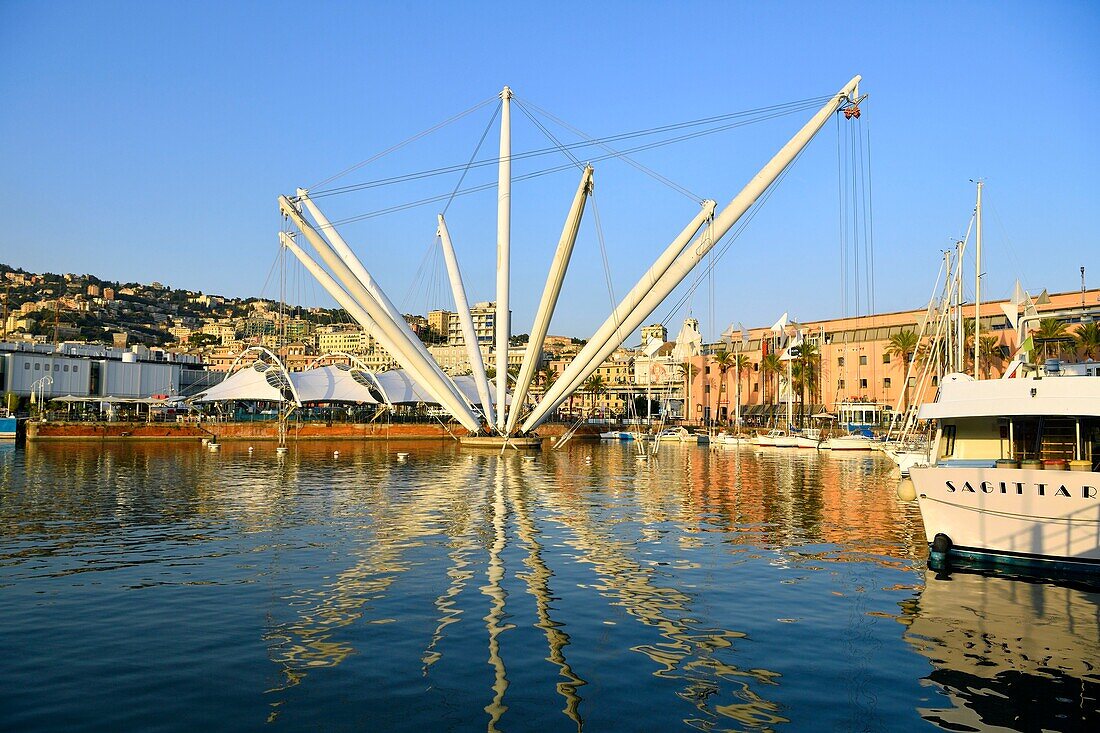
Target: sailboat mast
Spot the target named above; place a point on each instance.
(790, 391)
(504, 234)
(960, 361)
(977, 278)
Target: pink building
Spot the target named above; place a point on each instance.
(856, 361)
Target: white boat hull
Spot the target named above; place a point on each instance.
(907, 459)
(849, 442)
(1023, 515)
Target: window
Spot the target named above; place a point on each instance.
(706, 389)
(57, 367)
(707, 370)
(840, 361)
(886, 382)
(863, 384)
(840, 384)
(863, 361)
(66, 368)
(935, 381)
(885, 358)
(74, 368)
(26, 365)
(37, 366)
(948, 440)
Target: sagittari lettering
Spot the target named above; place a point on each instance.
(988, 487)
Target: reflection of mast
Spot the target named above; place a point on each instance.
(308, 641)
(458, 574)
(497, 596)
(688, 650)
(538, 585)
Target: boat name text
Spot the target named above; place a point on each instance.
(1018, 487)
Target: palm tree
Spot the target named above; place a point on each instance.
(770, 365)
(688, 371)
(724, 361)
(990, 352)
(1087, 337)
(741, 364)
(594, 386)
(902, 345)
(808, 360)
(1051, 331)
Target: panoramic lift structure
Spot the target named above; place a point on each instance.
(356, 291)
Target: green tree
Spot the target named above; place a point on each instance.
(1051, 332)
(688, 372)
(989, 348)
(724, 360)
(772, 366)
(741, 365)
(593, 387)
(903, 345)
(1087, 338)
(200, 340)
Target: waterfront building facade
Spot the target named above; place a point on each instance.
(856, 360)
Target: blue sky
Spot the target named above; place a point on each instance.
(149, 141)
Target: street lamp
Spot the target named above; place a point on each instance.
(39, 386)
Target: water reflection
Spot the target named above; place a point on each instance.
(1008, 653)
(714, 589)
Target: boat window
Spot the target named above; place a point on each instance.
(948, 440)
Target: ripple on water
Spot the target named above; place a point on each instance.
(155, 587)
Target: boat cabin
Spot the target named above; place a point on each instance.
(862, 417)
(1050, 419)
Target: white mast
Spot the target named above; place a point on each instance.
(469, 335)
(338, 245)
(549, 298)
(590, 355)
(790, 390)
(737, 407)
(960, 346)
(504, 225)
(977, 279)
(393, 338)
(691, 256)
(349, 304)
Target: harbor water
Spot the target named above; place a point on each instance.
(152, 587)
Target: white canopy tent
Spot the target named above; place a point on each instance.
(333, 383)
(259, 381)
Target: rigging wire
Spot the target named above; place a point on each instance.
(430, 262)
(405, 142)
(644, 169)
(731, 238)
(870, 216)
(473, 155)
(564, 150)
(766, 113)
(840, 218)
(540, 173)
(603, 255)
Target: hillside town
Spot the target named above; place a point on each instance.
(189, 339)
